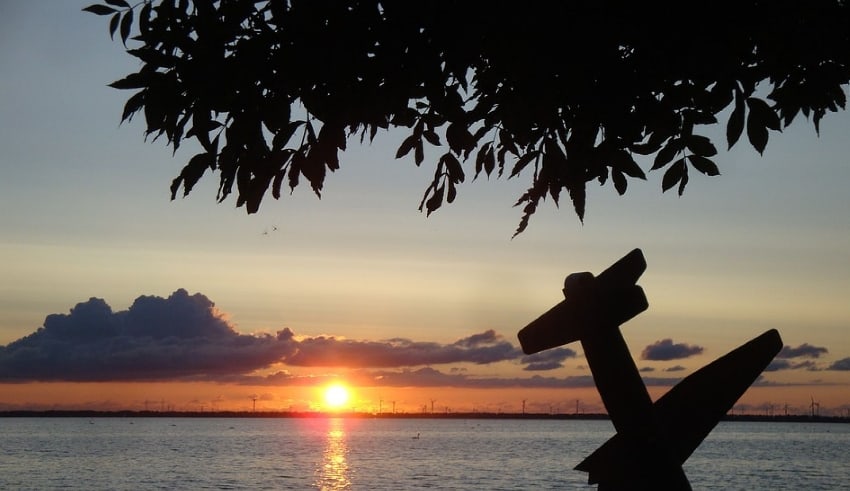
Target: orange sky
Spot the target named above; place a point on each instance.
(206, 396)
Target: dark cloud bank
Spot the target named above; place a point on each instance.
(788, 359)
(184, 337)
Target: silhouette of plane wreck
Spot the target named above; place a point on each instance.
(652, 440)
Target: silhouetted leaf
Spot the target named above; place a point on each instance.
(765, 114)
(191, 173)
(667, 154)
(704, 165)
(132, 81)
(113, 25)
(701, 145)
(133, 104)
(432, 137)
(459, 139)
(683, 181)
(620, 183)
(118, 3)
(756, 130)
(673, 175)
(578, 195)
(625, 163)
(735, 126)
(418, 152)
(99, 9)
(452, 193)
(282, 137)
(126, 24)
(435, 201)
(453, 167)
(523, 161)
(406, 146)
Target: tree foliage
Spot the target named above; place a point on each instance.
(566, 92)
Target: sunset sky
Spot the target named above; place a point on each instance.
(114, 297)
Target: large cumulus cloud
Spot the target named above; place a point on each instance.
(184, 336)
(155, 339)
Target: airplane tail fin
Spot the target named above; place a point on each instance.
(689, 411)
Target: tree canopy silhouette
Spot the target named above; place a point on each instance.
(568, 92)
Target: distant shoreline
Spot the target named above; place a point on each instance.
(795, 418)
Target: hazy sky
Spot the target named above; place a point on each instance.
(360, 278)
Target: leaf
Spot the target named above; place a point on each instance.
(701, 145)
(523, 161)
(764, 112)
(578, 195)
(452, 193)
(118, 3)
(756, 132)
(704, 165)
(735, 126)
(667, 154)
(113, 25)
(406, 146)
(191, 173)
(453, 167)
(419, 153)
(459, 138)
(133, 81)
(99, 9)
(432, 137)
(281, 138)
(489, 161)
(126, 24)
(625, 163)
(620, 183)
(673, 175)
(683, 182)
(133, 104)
(435, 201)
(479, 159)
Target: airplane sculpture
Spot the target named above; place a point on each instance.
(653, 440)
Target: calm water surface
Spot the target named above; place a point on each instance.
(381, 454)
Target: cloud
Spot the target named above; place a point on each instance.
(329, 351)
(842, 364)
(665, 350)
(646, 369)
(783, 364)
(155, 339)
(430, 377)
(184, 337)
(547, 360)
(675, 368)
(805, 350)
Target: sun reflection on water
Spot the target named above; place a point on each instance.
(332, 474)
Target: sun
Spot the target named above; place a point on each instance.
(336, 396)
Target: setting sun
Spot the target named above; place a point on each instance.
(336, 396)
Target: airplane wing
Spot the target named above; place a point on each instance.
(608, 300)
(685, 415)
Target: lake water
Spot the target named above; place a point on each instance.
(381, 454)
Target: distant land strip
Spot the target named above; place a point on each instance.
(59, 413)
